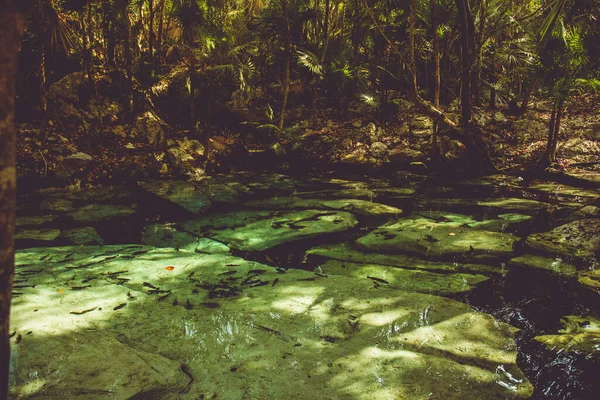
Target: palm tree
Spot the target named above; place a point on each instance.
(567, 69)
(190, 17)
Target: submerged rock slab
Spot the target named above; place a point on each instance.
(181, 193)
(346, 252)
(579, 334)
(94, 366)
(501, 223)
(218, 326)
(574, 239)
(564, 192)
(35, 220)
(590, 279)
(354, 206)
(259, 231)
(437, 240)
(79, 236)
(91, 213)
(167, 235)
(555, 265)
(42, 235)
(404, 279)
(495, 205)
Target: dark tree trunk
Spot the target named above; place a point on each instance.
(315, 101)
(436, 78)
(467, 45)
(12, 24)
(288, 63)
(527, 97)
(86, 22)
(128, 62)
(480, 35)
(553, 129)
(159, 38)
(108, 32)
(412, 18)
(151, 33)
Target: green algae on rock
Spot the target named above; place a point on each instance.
(35, 220)
(167, 235)
(564, 192)
(346, 252)
(579, 334)
(501, 223)
(92, 213)
(296, 332)
(556, 265)
(355, 206)
(404, 279)
(42, 235)
(437, 240)
(181, 193)
(81, 236)
(590, 279)
(574, 239)
(510, 205)
(284, 228)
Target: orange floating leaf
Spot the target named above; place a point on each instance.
(60, 290)
(170, 268)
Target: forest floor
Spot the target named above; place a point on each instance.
(89, 145)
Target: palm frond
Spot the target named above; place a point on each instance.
(310, 61)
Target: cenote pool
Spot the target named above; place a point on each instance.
(264, 286)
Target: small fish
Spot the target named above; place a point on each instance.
(374, 278)
(120, 306)
(164, 296)
(275, 282)
(210, 305)
(83, 312)
(80, 287)
(257, 271)
(149, 285)
(431, 239)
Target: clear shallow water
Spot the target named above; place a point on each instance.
(533, 300)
